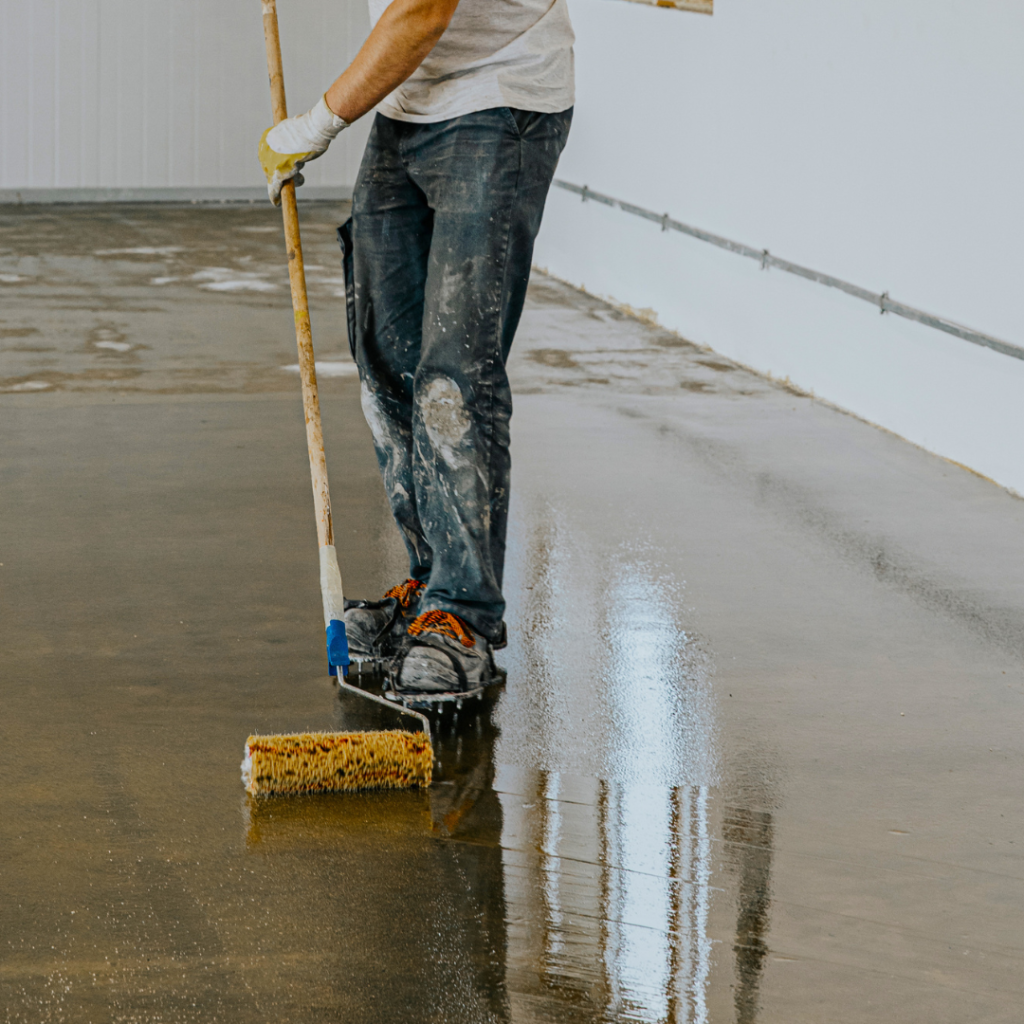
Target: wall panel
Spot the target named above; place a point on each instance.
(145, 94)
(876, 141)
(14, 67)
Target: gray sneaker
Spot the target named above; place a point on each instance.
(374, 628)
(439, 659)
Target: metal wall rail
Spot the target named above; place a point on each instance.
(880, 300)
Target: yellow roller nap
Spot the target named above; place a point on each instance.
(326, 762)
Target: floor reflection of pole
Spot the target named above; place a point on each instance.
(751, 832)
(690, 951)
(604, 934)
(702, 899)
(612, 909)
(679, 922)
(551, 832)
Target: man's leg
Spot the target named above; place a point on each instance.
(386, 273)
(486, 177)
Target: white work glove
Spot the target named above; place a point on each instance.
(295, 141)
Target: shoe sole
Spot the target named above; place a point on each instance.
(426, 701)
(367, 661)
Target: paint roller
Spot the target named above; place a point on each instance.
(317, 762)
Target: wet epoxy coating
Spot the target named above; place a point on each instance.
(759, 754)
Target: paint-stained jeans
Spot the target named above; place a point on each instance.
(437, 259)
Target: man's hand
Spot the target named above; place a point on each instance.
(406, 32)
(286, 147)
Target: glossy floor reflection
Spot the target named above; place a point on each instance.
(758, 757)
(546, 895)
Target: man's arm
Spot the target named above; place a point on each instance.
(407, 31)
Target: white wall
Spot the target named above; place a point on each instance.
(161, 93)
(880, 141)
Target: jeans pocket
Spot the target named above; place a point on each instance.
(524, 122)
(510, 119)
(345, 241)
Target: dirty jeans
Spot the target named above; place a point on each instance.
(437, 258)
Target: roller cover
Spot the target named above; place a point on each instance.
(324, 762)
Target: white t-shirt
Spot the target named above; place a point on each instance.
(494, 53)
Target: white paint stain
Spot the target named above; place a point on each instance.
(114, 346)
(374, 419)
(29, 385)
(142, 250)
(450, 292)
(224, 279)
(444, 417)
(329, 368)
(393, 442)
(11, 278)
(162, 280)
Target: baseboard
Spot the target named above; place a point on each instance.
(245, 194)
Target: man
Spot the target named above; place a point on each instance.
(474, 102)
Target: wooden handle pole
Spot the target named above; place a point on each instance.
(300, 302)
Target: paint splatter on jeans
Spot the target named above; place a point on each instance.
(437, 259)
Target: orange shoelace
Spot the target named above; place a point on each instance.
(444, 623)
(404, 592)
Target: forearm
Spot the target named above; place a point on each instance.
(406, 32)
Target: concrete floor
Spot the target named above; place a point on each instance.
(759, 756)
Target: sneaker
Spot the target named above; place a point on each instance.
(374, 628)
(439, 659)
